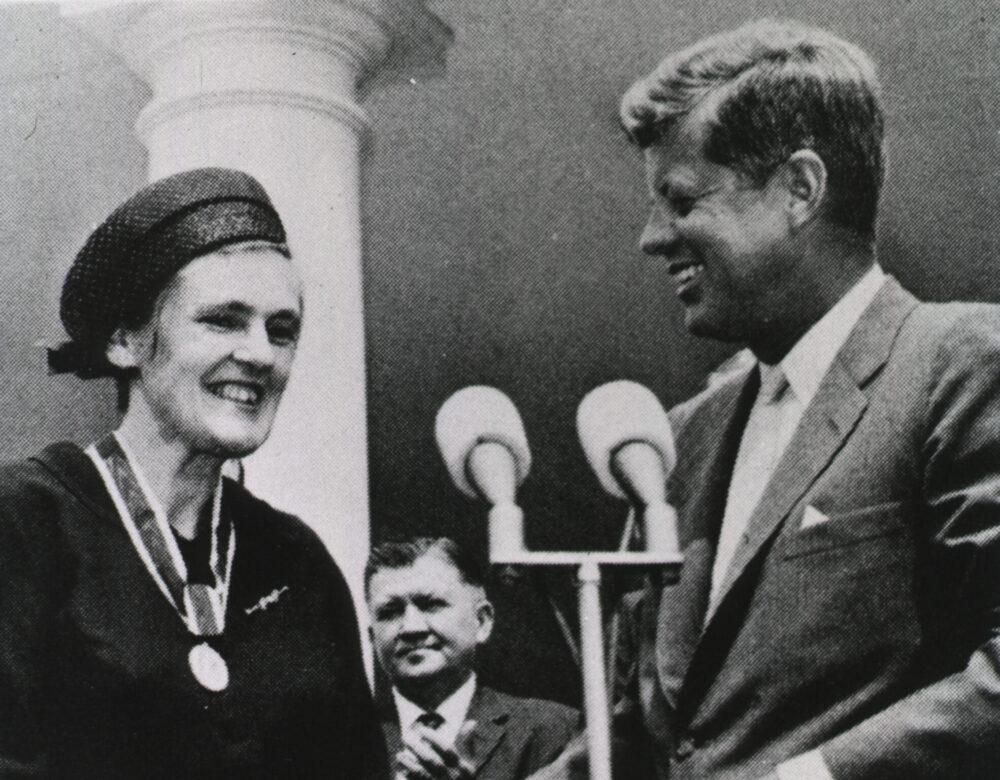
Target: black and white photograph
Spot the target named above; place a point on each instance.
(500, 390)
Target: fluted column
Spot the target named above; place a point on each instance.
(272, 88)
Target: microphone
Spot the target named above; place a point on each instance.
(485, 449)
(628, 442)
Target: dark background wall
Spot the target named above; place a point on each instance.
(502, 212)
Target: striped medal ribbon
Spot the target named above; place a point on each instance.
(202, 607)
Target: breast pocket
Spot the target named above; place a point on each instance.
(847, 529)
(846, 585)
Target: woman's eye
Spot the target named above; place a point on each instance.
(221, 321)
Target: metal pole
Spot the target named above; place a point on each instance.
(595, 690)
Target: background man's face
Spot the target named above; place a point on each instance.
(724, 240)
(427, 622)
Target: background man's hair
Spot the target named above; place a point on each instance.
(770, 89)
(401, 554)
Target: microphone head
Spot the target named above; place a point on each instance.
(614, 414)
(474, 415)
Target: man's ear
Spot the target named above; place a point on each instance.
(484, 616)
(123, 349)
(804, 179)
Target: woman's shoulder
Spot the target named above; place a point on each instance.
(44, 495)
(278, 539)
(256, 517)
(59, 467)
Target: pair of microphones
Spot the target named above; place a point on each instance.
(625, 435)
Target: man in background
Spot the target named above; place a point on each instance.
(838, 612)
(429, 614)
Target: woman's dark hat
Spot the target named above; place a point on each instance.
(131, 257)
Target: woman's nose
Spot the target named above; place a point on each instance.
(255, 347)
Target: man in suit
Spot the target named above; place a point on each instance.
(838, 612)
(429, 614)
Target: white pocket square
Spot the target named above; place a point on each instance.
(813, 516)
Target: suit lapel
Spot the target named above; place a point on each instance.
(698, 490)
(491, 715)
(829, 420)
(824, 427)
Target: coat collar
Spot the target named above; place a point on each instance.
(71, 467)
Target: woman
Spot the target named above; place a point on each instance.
(157, 620)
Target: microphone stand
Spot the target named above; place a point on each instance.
(506, 532)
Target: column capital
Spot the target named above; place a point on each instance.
(318, 55)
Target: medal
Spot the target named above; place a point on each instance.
(208, 667)
(201, 607)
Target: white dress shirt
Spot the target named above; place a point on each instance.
(454, 710)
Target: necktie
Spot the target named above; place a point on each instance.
(431, 720)
(760, 448)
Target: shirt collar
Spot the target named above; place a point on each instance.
(807, 362)
(454, 710)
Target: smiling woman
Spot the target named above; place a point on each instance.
(158, 621)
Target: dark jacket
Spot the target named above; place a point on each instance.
(513, 737)
(94, 674)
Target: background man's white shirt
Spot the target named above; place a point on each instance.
(454, 710)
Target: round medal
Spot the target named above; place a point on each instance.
(208, 667)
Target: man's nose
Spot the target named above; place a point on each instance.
(255, 347)
(414, 621)
(660, 236)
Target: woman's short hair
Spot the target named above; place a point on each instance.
(770, 89)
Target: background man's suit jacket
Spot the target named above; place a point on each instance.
(513, 736)
(874, 635)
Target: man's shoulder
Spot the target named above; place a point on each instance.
(543, 711)
(947, 336)
(955, 315)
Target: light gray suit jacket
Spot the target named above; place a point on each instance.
(874, 636)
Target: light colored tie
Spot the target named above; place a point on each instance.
(760, 448)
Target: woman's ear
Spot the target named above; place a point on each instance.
(123, 349)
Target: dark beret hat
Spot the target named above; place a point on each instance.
(133, 254)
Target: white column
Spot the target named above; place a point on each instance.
(272, 88)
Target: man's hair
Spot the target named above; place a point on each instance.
(402, 554)
(775, 87)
